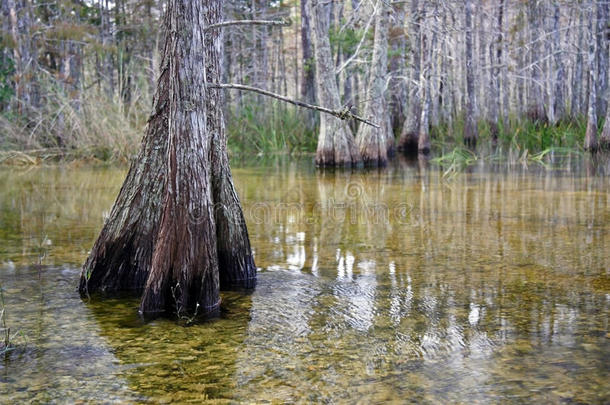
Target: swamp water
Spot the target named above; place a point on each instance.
(491, 285)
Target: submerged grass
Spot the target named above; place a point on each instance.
(517, 141)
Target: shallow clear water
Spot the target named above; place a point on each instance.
(492, 285)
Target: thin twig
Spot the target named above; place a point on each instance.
(282, 22)
(343, 114)
(366, 29)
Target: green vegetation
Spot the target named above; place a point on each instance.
(281, 131)
(106, 129)
(95, 127)
(519, 141)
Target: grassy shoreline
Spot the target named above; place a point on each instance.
(100, 131)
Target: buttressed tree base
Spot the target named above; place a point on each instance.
(176, 233)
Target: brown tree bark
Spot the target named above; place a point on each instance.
(177, 230)
(336, 144)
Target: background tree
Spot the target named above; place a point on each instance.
(336, 145)
(374, 144)
(77, 75)
(470, 121)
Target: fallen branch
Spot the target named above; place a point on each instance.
(282, 22)
(343, 114)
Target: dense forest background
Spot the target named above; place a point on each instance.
(76, 76)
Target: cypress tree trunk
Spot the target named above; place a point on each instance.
(374, 143)
(604, 139)
(19, 20)
(336, 144)
(591, 142)
(410, 131)
(177, 229)
(470, 124)
(308, 80)
(536, 109)
(495, 55)
(397, 66)
(429, 45)
(559, 101)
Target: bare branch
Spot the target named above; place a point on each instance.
(343, 114)
(283, 22)
(366, 29)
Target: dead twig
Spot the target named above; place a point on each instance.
(343, 114)
(282, 22)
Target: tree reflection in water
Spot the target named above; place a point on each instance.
(486, 285)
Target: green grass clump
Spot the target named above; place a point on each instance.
(281, 130)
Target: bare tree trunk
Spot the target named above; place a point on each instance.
(559, 99)
(398, 45)
(604, 139)
(24, 53)
(470, 124)
(336, 145)
(536, 110)
(410, 131)
(591, 142)
(504, 61)
(308, 86)
(374, 143)
(578, 79)
(495, 57)
(428, 46)
(423, 145)
(177, 229)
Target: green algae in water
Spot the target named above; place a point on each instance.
(378, 286)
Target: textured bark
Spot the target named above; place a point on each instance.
(120, 258)
(602, 54)
(177, 227)
(604, 139)
(19, 18)
(373, 143)
(495, 85)
(308, 87)
(336, 144)
(423, 141)
(398, 89)
(536, 110)
(410, 130)
(578, 77)
(558, 97)
(470, 124)
(591, 142)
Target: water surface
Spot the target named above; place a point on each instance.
(401, 284)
